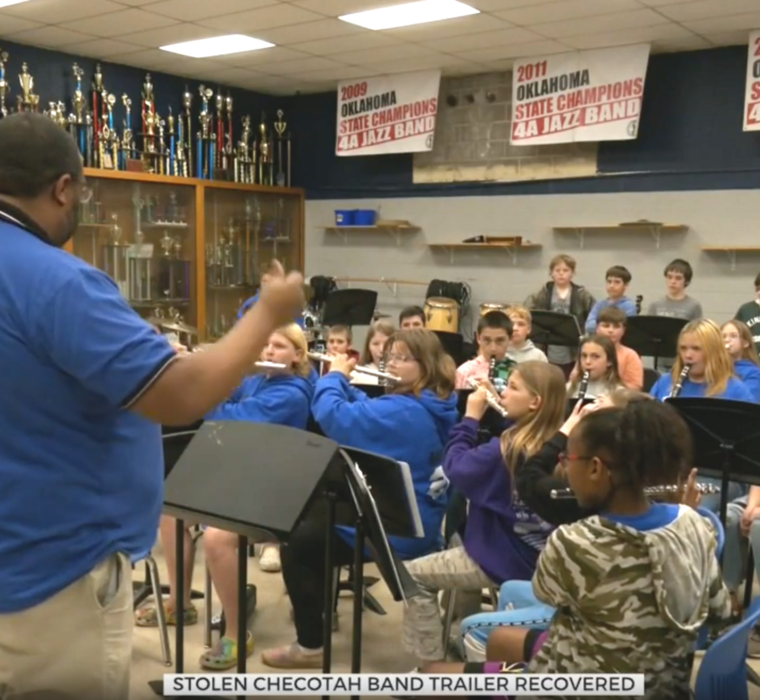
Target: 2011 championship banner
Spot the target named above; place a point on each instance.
(580, 96)
(752, 94)
(387, 114)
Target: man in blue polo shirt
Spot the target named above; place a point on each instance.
(84, 385)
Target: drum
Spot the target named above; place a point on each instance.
(441, 315)
(488, 307)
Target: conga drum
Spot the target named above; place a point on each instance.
(488, 307)
(441, 315)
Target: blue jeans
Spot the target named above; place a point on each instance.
(712, 501)
(733, 560)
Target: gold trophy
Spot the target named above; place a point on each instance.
(27, 100)
(265, 155)
(280, 126)
(4, 87)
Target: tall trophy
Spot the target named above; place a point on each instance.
(228, 142)
(97, 112)
(186, 129)
(244, 163)
(27, 101)
(148, 116)
(283, 168)
(265, 154)
(4, 87)
(140, 259)
(127, 141)
(115, 257)
(79, 103)
(205, 142)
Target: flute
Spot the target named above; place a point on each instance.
(679, 384)
(491, 399)
(583, 386)
(649, 491)
(361, 369)
(270, 365)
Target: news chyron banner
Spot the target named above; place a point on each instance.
(387, 114)
(752, 94)
(580, 96)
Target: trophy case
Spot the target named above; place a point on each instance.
(246, 227)
(142, 233)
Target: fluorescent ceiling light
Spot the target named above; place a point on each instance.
(8, 3)
(217, 46)
(409, 14)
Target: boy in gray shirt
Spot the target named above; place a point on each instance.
(676, 303)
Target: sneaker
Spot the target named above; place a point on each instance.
(224, 654)
(292, 656)
(270, 559)
(147, 616)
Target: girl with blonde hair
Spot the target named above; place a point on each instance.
(737, 337)
(503, 538)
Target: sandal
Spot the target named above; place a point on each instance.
(223, 655)
(291, 657)
(147, 616)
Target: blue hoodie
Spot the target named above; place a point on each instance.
(248, 303)
(735, 390)
(402, 427)
(749, 373)
(625, 304)
(280, 399)
(503, 536)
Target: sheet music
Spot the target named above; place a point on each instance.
(411, 499)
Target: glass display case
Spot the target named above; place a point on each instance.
(143, 235)
(245, 228)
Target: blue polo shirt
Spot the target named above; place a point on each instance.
(81, 476)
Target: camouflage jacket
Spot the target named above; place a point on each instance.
(629, 601)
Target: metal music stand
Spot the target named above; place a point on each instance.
(726, 437)
(453, 345)
(653, 336)
(349, 307)
(552, 328)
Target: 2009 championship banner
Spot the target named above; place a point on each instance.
(387, 114)
(580, 96)
(752, 94)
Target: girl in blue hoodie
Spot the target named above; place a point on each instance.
(278, 396)
(410, 423)
(737, 338)
(503, 538)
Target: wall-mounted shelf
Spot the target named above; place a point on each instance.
(391, 283)
(652, 227)
(508, 248)
(731, 251)
(395, 230)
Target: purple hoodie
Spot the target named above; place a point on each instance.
(502, 535)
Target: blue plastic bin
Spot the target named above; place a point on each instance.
(344, 217)
(365, 217)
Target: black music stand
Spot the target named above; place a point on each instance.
(349, 307)
(175, 440)
(374, 391)
(552, 328)
(453, 344)
(653, 336)
(492, 424)
(726, 437)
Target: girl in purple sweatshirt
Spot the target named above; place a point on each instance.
(503, 538)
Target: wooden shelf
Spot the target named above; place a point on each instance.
(509, 248)
(395, 230)
(652, 227)
(731, 251)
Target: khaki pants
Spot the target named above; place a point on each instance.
(76, 645)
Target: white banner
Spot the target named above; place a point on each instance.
(387, 114)
(580, 96)
(752, 94)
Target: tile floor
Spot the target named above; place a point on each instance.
(272, 626)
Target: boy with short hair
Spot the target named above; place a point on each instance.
(749, 313)
(339, 339)
(520, 348)
(676, 303)
(611, 324)
(411, 318)
(492, 337)
(617, 279)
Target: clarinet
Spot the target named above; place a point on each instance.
(492, 369)
(639, 300)
(583, 386)
(679, 383)
(382, 381)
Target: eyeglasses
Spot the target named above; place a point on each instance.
(564, 458)
(393, 358)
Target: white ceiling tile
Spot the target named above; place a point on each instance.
(740, 37)
(414, 64)
(54, 37)
(566, 9)
(56, 12)
(599, 23)
(704, 9)
(101, 48)
(344, 73)
(503, 37)
(163, 36)
(118, 23)
(461, 26)
(12, 25)
(663, 3)
(310, 31)
(464, 68)
(136, 3)
(152, 59)
(337, 8)
(252, 21)
(626, 37)
(355, 42)
(301, 66)
(391, 53)
(262, 57)
(493, 5)
(191, 11)
(747, 21)
(500, 53)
